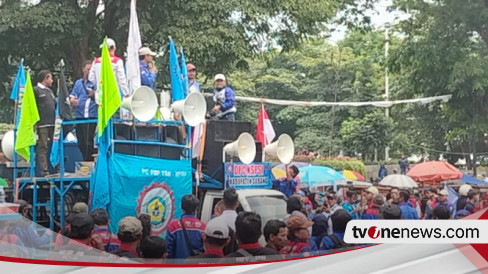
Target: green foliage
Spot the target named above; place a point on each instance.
(366, 134)
(343, 164)
(445, 51)
(5, 127)
(316, 72)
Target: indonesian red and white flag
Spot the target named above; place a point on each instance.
(264, 129)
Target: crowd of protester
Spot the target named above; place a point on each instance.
(315, 223)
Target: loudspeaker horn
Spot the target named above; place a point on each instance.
(283, 148)
(8, 145)
(143, 103)
(165, 109)
(244, 148)
(193, 108)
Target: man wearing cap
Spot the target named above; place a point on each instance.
(184, 235)
(130, 235)
(148, 73)
(223, 98)
(298, 236)
(117, 67)
(372, 210)
(333, 207)
(82, 246)
(82, 97)
(80, 207)
(46, 104)
(215, 237)
(25, 229)
(193, 86)
(463, 196)
(442, 200)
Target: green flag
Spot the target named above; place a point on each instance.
(109, 97)
(29, 115)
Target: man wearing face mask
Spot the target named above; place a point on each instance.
(223, 98)
(25, 229)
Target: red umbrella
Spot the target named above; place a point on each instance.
(434, 171)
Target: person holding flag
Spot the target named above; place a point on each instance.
(119, 72)
(46, 105)
(109, 103)
(82, 97)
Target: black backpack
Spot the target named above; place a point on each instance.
(339, 244)
(232, 246)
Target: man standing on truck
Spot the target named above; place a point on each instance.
(223, 98)
(184, 237)
(46, 104)
(287, 185)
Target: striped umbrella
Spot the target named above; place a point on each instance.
(352, 175)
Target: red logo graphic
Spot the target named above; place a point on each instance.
(373, 232)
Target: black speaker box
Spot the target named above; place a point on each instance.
(218, 134)
(123, 132)
(148, 132)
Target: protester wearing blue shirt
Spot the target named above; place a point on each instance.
(287, 185)
(350, 205)
(442, 200)
(148, 74)
(82, 97)
(193, 86)
(340, 218)
(408, 212)
(25, 229)
(224, 100)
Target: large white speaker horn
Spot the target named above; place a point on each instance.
(244, 148)
(8, 145)
(165, 107)
(283, 148)
(193, 108)
(143, 103)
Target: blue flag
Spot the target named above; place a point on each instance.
(147, 185)
(19, 83)
(184, 73)
(99, 181)
(63, 112)
(175, 74)
(57, 138)
(453, 196)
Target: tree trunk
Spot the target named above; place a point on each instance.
(78, 51)
(78, 54)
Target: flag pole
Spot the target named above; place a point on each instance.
(263, 154)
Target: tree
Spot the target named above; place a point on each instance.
(217, 36)
(445, 51)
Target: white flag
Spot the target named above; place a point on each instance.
(133, 46)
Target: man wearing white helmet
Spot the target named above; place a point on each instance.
(224, 100)
(117, 67)
(463, 196)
